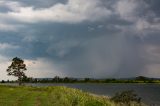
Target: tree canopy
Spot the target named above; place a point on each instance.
(17, 69)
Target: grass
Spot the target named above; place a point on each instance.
(50, 96)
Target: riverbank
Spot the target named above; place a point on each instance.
(50, 96)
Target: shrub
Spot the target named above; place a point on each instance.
(126, 97)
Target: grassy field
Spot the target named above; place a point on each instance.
(50, 96)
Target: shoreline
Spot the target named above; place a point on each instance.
(71, 94)
(74, 83)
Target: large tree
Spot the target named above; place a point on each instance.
(17, 69)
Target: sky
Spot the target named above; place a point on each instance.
(81, 38)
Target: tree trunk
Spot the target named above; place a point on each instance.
(19, 81)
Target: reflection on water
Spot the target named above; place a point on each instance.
(150, 93)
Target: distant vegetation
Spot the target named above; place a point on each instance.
(18, 67)
(53, 96)
(57, 79)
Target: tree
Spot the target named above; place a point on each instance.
(56, 79)
(17, 69)
(2, 81)
(86, 79)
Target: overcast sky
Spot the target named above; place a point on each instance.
(81, 38)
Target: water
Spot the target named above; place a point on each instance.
(150, 93)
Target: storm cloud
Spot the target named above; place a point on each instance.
(79, 38)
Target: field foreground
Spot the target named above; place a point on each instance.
(51, 96)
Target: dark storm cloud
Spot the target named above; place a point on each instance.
(108, 39)
(154, 5)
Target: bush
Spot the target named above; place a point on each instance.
(126, 97)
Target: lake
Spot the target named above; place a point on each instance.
(150, 93)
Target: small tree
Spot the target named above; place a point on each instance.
(17, 69)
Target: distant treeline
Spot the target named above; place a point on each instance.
(57, 79)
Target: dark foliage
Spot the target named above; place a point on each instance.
(2, 81)
(126, 97)
(17, 69)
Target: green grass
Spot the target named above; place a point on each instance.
(50, 96)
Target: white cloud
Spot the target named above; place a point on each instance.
(5, 46)
(13, 5)
(42, 67)
(130, 9)
(143, 24)
(5, 20)
(4, 63)
(73, 11)
(8, 27)
(126, 8)
(38, 68)
(143, 21)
